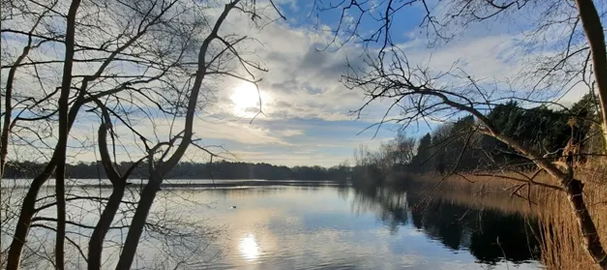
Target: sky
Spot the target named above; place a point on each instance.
(308, 113)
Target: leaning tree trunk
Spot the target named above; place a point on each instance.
(573, 188)
(119, 186)
(596, 39)
(138, 222)
(25, 217)
(592, 241)
(29, 201)
(102, 227)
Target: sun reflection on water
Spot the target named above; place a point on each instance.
(249, 247)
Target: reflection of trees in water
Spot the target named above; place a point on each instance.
(391, 207)
(489, 235)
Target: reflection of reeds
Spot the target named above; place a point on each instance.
(562, 242)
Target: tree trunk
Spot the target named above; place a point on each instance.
(6, 124)
(119, 185)
(63, 103)
(104, 223)
(573, 188)
(596, 39)
(141, 213)
(8, 107)
(592, 241)
(29, 202)
(60, 233)
(25, 218)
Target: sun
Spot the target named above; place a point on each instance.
(245, 99)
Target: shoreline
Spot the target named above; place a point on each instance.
(223, 183)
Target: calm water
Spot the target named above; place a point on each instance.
(331, 228)
(327, 227)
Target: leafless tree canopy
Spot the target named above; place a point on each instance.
(127, 66)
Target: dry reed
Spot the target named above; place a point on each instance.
(562, 240)
(562, 246)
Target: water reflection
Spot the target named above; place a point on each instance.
(489, 235)
(249, 247)
(330, 228)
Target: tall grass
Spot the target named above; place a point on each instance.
(562, 244)
(562, 240)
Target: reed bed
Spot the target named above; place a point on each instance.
(562, 246)
(562, 240)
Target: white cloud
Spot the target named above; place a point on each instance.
(289, 158)
(291, 132)
(302, 81)
(239, 132)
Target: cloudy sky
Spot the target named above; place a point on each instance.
(308, 117)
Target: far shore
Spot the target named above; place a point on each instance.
(210, 183)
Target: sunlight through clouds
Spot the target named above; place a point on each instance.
(246, 100)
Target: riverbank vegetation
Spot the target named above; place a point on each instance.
(557, 232)
(458, 164)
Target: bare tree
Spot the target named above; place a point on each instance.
(577, 58)
(119, 183)
(120, 60)
(211, 62)
(8, 123)
(422, 92)
(63, 132)
(99, 37)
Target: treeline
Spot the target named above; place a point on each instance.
(189, 170)
(460, 146)
(452, 147)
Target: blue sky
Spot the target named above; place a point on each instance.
(308, 116)
(305, 96)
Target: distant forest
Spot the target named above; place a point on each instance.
(187, 170)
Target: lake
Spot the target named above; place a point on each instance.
(329, 227)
